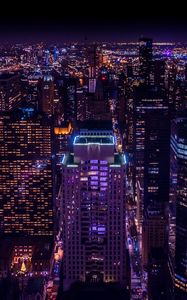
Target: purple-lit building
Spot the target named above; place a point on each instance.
(93, 209)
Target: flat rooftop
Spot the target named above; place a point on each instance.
(84, 140)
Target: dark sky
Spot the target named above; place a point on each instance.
(56, 22)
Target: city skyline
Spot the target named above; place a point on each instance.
(93, 158)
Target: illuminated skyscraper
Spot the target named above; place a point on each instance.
(156, 158)
(93, 65)
(156, 182)
(178, 194)
(151, 141)
(26, 174)
(95, 60)
(157, 74)
(145, 56)
(55, 54)
(70, 99)
(46, 97)
(82, 104)
(93, 211)
(147, 101)
(10, 91)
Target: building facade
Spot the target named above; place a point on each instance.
(178, 203)
(93, 207)
(26, 174)
(145, 57)
(10, 91)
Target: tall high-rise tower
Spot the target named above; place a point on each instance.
(145, 56)
(94, 55)
(26, 174)
(46, 97)
(10, 91)
(94, 211)
(178, 194)
(151, 141)
(150, 105)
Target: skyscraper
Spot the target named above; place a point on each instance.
(70, 99)
(157, 275)
(178, 194)
(156, 182)
(154, 233)
(26, 177)
(157, 74)
(46, 97)
(148, 100)
(94, 211)
(156, 158)
(145, 57)
(10, 91)
(93, 62)
(151, 141)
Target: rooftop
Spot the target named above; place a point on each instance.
(84, 140)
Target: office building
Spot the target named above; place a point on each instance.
(178, 203)
(151, 168)
(26, 174)
(158, 275)
(156, 158)
(150, 104)
(82, 104)
(94, 57)
(10, 91)
(93, 210)
(157, 73)
(46, 95)
(98, 103)
(145, 58)
(154, 233)
(70, 99)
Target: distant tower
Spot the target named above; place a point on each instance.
(92, 61)
(145, 56)
(10, 91)
(157, 75)
(46, 97)
(47, 57)
(55, 54)
(70, 99)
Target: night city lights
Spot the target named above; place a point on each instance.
(93, 155)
